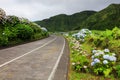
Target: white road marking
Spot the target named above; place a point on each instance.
(56, 64)
(27, 53)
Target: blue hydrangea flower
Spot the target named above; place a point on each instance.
(106, 56)
(112, 58)
(96, 60)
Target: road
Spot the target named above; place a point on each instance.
(38, 60)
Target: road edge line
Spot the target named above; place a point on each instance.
(27, 53)
(56, 64)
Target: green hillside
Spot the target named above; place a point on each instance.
(64, 22)
(107, 18)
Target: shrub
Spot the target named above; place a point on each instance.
(103, 62)
(117, 68)
(24, 32)
(107, 34)
(14, 30)
(11, 21)
(10, 33)
(3, 41)
(80, 63)
(35, 27)
(82, 34)
(116, 33)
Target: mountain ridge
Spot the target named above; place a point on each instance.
(106, 18)
(63, 22)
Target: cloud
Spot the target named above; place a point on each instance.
(41, 9)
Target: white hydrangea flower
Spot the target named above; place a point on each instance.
(83, 30)
(113, 54)
(97, 54)
(101, 52)
(43, 28)
(85, 67)
(93, 56)
(94, 51)
(105, 62)
(66, 34)
(82, 40)
(3, 33)
(92, 63)
(106, 50)
(73, 63)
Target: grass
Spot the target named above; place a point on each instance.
(87, 76)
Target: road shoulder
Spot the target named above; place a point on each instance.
(63, 66)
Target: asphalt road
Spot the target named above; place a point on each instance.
(39, 60)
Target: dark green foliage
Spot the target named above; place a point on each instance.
(10, 33)
(104, 19)
(11, 21)
(15, 30)
(117, 67)
(3, 41)
(24, 32)
(64, 22)
(35, 27)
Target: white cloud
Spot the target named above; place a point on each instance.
(41, 9)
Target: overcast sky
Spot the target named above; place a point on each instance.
(42, 9)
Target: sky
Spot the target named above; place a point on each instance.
(42, 9)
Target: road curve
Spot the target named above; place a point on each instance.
(32, 61)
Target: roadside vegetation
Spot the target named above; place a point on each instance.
(95, 55)
(15, 30)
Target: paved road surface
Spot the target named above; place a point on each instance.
(32, 61)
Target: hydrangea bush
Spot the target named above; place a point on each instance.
(82, 34)
(79, 57)
(103, 61)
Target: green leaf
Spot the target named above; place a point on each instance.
(107, 72)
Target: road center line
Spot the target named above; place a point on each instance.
(51, 76)
(27, 53)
